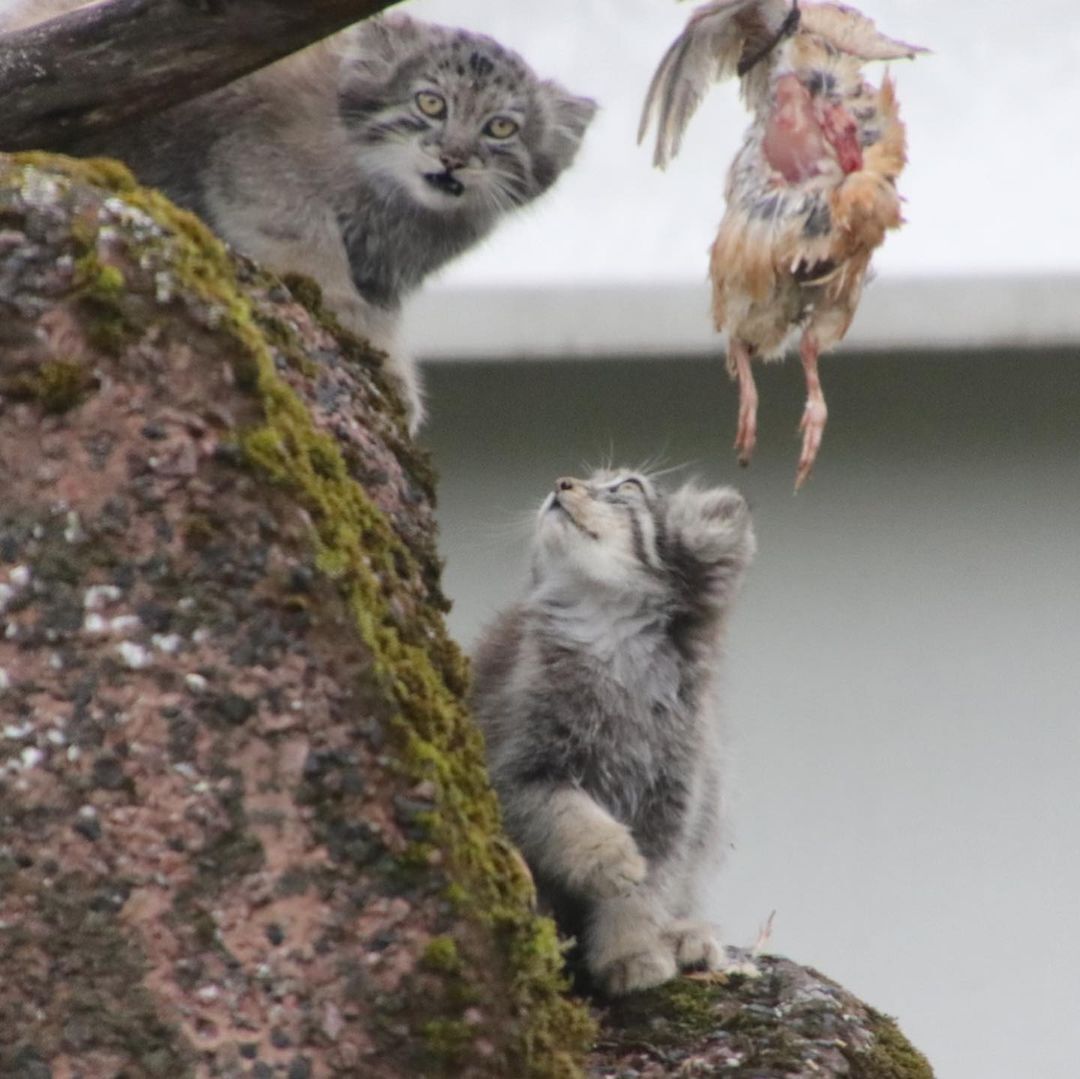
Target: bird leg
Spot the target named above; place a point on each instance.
(815, 413)
(739, 364)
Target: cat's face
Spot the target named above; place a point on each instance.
(453, 120)
(604, 530)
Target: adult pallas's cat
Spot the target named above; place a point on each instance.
(366, 161)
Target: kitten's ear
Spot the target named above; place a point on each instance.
(566, 118)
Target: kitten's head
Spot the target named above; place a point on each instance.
(617, 533)
(454, 120)
(600, 531)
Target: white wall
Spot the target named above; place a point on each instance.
(904, 664)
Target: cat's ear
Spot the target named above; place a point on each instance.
(571, 115)
(378, 44)
(566, 119)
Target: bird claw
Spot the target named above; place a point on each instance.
(746, 438)
(746, 432)
(812, 426)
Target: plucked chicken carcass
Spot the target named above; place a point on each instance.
(811, 192)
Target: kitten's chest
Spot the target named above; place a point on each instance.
(635, 714)
(641, 670)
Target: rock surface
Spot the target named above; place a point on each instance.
(244, 824)
(778, 1021)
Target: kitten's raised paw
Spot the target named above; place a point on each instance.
(713, 524)
(695, 946)
(640, 971)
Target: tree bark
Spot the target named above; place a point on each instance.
(245, 827)
(100, 66)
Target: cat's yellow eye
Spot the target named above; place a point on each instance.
(431, 104)
(629, 485)
(500, 127)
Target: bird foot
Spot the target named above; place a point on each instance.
(745, 440)
(746, 434)
(739, 364)
(812, 427)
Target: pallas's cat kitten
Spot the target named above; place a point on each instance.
(597, 695)
(366, 161)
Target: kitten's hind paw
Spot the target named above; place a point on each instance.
(695, 946)
(640, 971)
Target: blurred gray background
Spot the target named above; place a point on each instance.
(904, 664)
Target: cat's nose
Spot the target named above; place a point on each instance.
(565, 483)
(451, 160)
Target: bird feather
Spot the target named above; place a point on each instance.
(707, 51)
(852, 32)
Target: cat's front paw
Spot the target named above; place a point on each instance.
(696, 946)
(641, 970)
(607, 863)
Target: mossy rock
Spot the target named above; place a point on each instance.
(768, 1019)
(486, 994)
(139, 271)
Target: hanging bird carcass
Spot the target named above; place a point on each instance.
(810, 194)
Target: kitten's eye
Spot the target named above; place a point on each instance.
(631, 484)
(431, 104)
(500, 127)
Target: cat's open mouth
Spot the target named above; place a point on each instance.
(445, 181)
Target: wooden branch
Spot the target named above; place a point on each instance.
(100, 66)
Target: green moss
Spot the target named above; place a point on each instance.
(417, 667)
(678, 1012)
(100, 291)
(282, 337)
(307, 292)
(100, 172)
(891, 1056)
(446, 1044)
(98, 281)
(441, 954)
(56, 385)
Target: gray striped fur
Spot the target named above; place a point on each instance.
(324, 164)
(597, 696)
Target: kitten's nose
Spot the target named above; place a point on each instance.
(451, 160)
(565, 483)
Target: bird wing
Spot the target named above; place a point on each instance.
(852, 32)
(708, 49)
